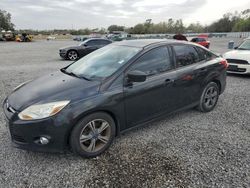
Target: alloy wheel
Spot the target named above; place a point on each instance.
(210, 97)
(72, 55)
(95, 135)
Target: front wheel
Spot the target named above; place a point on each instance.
(209, 97)
(92, 135)
(72, 55)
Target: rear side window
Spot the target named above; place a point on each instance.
(93, 42)
(154, 62)
(185, 55)
(204, 54)
(201, 40)
(104, 42)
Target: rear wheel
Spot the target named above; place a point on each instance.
(209, 97)
(72, 55)
(92, 135)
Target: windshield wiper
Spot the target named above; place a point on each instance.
(242, 49)
(73, 74)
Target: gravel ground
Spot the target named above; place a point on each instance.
(186, 149)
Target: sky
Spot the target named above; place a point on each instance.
(77, 14)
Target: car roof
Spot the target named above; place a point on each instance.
(143, 43)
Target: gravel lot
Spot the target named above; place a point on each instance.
(187, 149)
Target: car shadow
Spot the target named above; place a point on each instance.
(238, 75)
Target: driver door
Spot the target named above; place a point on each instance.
(148, 99)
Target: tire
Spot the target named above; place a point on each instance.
(72, 55)
(209, 97)
(92, 135)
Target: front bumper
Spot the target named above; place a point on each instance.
(26, 134)
(63, 54)
(238, 68)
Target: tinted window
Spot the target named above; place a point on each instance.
(103, 62)
(104, 42)
(93, 42)
(201, 40)
(204, 54)
(154, 62)
(194, 40)
(185, 55)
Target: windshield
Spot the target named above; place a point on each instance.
(82, 43)
(103, 62)
(245, 45)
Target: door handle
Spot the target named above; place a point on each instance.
(202, 70)
(169, 81)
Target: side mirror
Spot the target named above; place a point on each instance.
(236, 47)
(136, 76)
(85, 45)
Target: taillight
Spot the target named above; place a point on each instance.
(224, 63)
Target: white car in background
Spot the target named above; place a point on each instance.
(239, 58)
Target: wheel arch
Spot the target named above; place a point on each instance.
(110, 113)
(214, 77)
(70, 50)
(217, 81)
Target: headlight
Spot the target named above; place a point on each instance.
(40, 111)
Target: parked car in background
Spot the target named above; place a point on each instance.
(84, 48)
(79, 38)
(118, 35)
(1, 38)
(239, 58)
(51, 38)
(111, 90)
(201, 41)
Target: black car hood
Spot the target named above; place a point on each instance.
(50, 88)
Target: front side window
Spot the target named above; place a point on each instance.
(154, 62)
(185, 55)
(194, 40)
(103, 62)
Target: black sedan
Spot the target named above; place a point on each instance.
(118, 87)
(84, 48)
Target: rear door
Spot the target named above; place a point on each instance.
(191, 71)
(154, 96)
(104, 43)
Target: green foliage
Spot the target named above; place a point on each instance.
(242, 25)
(195, 28)
(115, 28)
(170, 26)
(5, 21)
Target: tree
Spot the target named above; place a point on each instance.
(139, 29)
(5, 21)
(225, 24)
(195, 27)
(179, 27)
(115, 28)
